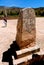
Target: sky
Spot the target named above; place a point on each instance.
(22, 3)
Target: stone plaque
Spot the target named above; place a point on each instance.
(26, 31)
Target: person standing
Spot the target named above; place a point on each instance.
(5, 20)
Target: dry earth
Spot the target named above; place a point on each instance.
(40, 32)
(8, 34)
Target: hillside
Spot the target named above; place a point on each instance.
(39, 11)
(13, 12)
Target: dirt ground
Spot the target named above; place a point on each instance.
(8, 34)
(40, 32)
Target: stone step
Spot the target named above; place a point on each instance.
(23, 56)
(27, 58)
(27, 51)
(21, 60)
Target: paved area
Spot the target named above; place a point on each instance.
(8, 34)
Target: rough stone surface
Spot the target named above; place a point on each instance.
(26, 32)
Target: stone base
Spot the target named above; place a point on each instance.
(38, 59)
(25, 55)
(27, 51)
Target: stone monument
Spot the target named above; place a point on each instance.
(26, 30)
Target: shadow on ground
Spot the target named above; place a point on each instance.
(37, 59)
(7, 55)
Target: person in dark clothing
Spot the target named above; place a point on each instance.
(7, 55)
(5, 20)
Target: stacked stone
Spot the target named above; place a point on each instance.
(26, 30)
